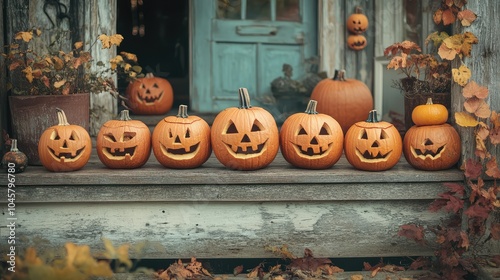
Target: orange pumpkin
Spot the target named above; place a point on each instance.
(149, 95)
(345, 100)
(356, 42)
(245, 137)
(182, 141)
(311, 140)
(432, 147)
(64, 147)
(357, 23)
(373, 145)
(429, 114)
(124, 143)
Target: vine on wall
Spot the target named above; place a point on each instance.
(472, 206)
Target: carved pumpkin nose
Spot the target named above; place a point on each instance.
(65, 144)
(177, 140)
(375, 144)
(428, 142)
(245, 139)
(314, 141)
(148, 92)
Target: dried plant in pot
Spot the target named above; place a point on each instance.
(43, 77)
(426, 76)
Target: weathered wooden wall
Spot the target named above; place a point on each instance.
(3, 88)
(484, 61)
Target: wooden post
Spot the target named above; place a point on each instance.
(483, 62)
(3, 87)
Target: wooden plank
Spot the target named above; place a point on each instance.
(3, 85)
(213, 172)
(331, 31)
(226, 229)
(388, 25)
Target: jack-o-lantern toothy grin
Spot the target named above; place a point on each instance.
(369, 156)
(66, 156)
(428, 153)
(119, 150)
(312, 151)
(149, 98)
(181, 153)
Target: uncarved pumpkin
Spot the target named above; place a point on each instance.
(373, 145)
(124, 143)
(429, 114)
(149, 95)
(182, 141)
(245, 137)
(64, 147)
(345, 100)
(311, 140)
(432, 147)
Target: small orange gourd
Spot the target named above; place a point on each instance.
(124, 143)
(245, 137)
(311, 140)
(64, 147)
(345, 100)
(373, 145)
(429, 114)
(182, 141)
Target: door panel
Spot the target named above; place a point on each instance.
(239, 43)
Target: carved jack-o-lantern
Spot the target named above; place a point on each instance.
(432, 147)
(64, 147)
(357, 23)
(245, 138)
(311, 140)
(372, 145)
(356, 42)
(150, 95)
(124, 143)
(182, 141)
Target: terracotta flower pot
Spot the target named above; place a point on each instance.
(31, 115)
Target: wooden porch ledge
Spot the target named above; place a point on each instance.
(214, 212)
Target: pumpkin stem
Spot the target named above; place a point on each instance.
(311, 107)
(339, 75)
(358, 10)
(13, 145)
(429, 101)
(372, 117)
(183, 112)
(125, 115)
(149, 75)
(244, 98)
(61, 117)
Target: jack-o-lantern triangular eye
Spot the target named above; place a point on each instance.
(128, 135)
(324, 130)
(302, 131)
(170, 135)
(364, 135)
(55, 135)
(187, 133)
(231, 129)
(155, 85)
(110, 137)
(383, 135)
(257, 126)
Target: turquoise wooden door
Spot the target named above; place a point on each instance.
(244, 43)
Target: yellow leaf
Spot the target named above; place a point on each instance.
(116, 39)
(105, 41)
(59, 84)
(465, 119)
(461, 75)
(122, 254)
(78, 45)
(26, 36)
(446, 53)
(28, 73)
(58, 63)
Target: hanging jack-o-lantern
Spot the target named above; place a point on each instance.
(64, 147)
(373, 145)
(357, 23)
(124, 143)
(182, 141)
(245, 137)
(150, 95)
(356, 42)
(311, 140)
(432, 147)
(345, 100)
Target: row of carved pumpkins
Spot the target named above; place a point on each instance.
(247, 138)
